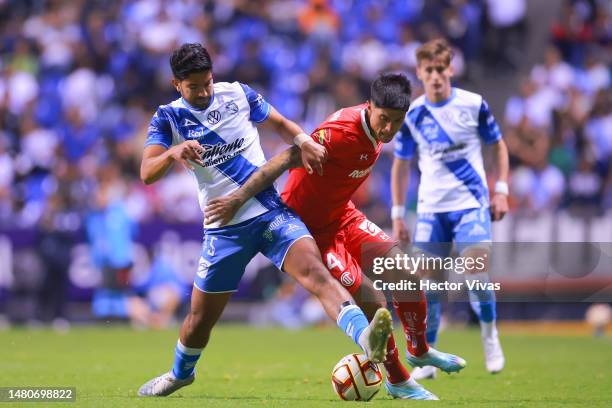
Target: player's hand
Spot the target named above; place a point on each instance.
(499, 206)
(313, 157)
(222, 209)
(400, 231)
(189, 150)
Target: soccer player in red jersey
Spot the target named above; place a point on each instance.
(353, 138)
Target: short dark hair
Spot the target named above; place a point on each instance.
(391, 91)
(189, 58)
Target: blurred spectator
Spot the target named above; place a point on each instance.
(178, 197)
(319, 20)
(585, 188)
(353, 56)
(110, 233)
(537, 190)
(595, 75)
(533, 103)
(28, 278)
(574, 30)
(7, 175)
(59, 225)
(162, 294)
(598, 130)
(554, 72)
(290, 307)
(507, 31)
(537, 185)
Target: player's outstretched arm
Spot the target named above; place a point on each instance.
(156, 159)
(313, 154)
(400, 172)
(223, 209)
(499, 202)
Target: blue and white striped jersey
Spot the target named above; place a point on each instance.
(232, 152)
(448, 138)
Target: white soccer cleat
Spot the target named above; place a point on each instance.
(446, 362)
(494, 355)
(164, 385)
(424, 373)
(374, 338)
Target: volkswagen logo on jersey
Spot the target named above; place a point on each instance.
(213, 117)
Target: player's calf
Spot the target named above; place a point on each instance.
(206, 308)
(483, 303)
(410, 306)
(303, 262)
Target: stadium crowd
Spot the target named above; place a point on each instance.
(80, 80)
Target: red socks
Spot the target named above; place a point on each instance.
(396, 372)
(413, 316)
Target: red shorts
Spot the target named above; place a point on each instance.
(354, 242)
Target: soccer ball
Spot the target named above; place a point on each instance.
(599, 316)
(355, 378)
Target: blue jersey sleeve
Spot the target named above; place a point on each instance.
(160, 131)
(404, 143)
(487, 126)
(260, 109)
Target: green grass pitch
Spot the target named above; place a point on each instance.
(245, 366)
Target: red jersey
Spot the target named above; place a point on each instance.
(352, 150)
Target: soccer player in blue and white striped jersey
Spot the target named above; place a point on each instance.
(211, 130)
(447, 127)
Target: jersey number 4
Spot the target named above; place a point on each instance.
(333, 262)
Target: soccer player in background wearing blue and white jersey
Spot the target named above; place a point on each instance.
(446, 126)
(211, 130)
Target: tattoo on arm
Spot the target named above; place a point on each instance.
(269, 172)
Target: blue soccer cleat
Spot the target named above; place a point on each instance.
(409, 389)
(446, 362)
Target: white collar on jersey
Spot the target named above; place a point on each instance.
(366, 129)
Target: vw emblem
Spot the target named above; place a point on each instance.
(213, 117)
